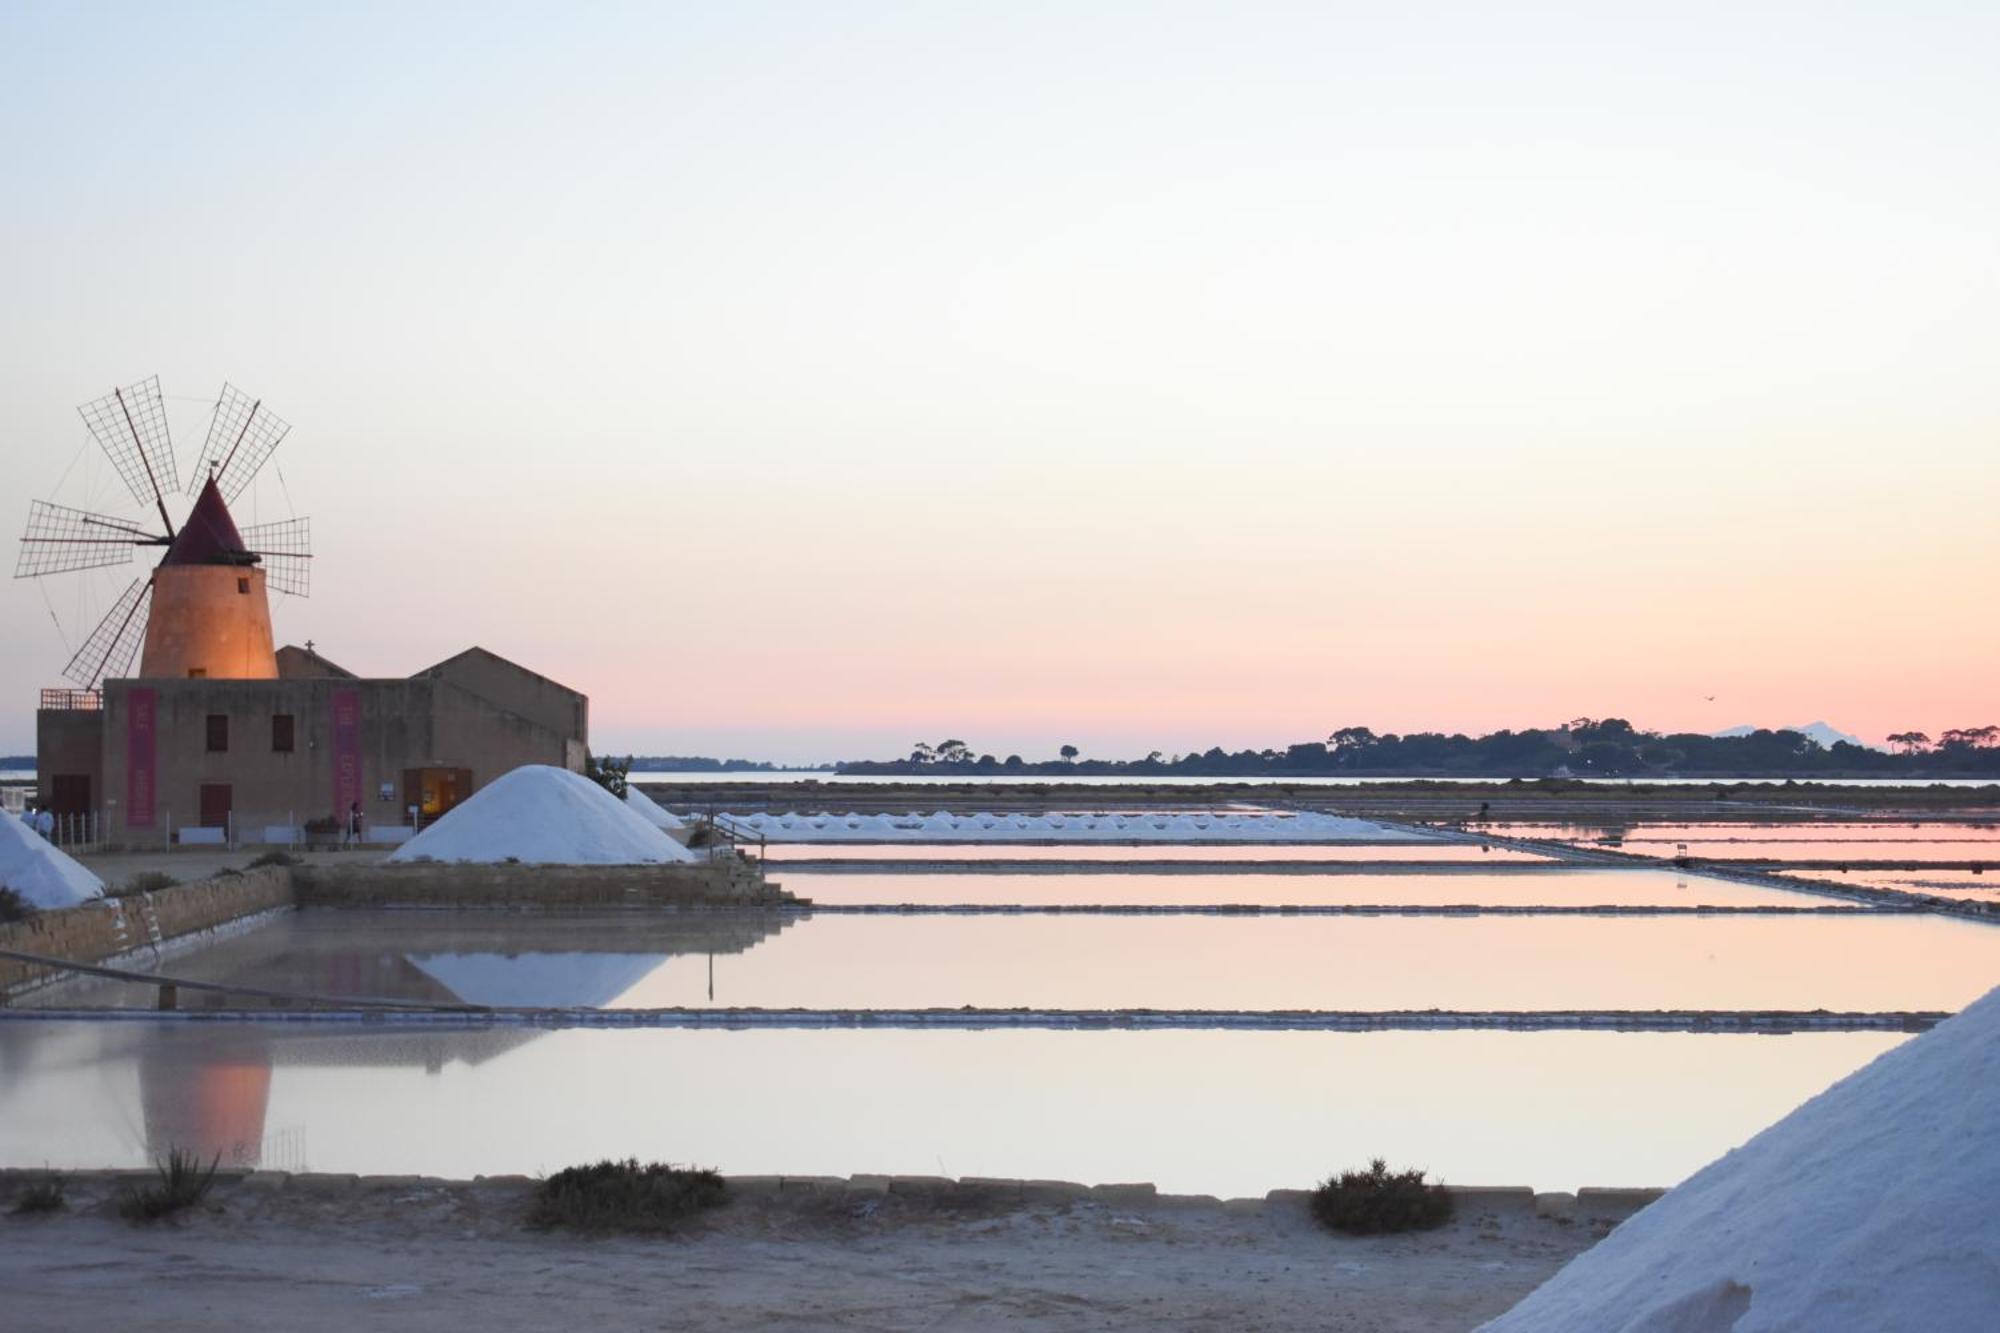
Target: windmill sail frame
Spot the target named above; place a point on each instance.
(130, 425)
(61, 540)
(112, 645)
(241, 436)
(284, 549)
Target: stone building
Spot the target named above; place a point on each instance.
(197, 758)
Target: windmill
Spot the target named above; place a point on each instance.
(202, 610)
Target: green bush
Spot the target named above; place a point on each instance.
(146, 881)
(624, 1196)
(14, 907)
(274, 859)
(1378, 1201)
(183, 1183)
(44, 1196)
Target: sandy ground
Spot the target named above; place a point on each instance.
(332, 1253)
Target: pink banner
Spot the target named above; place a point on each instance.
(346, 751)
(142, 751)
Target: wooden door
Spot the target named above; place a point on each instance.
(69, 793)
(215, 804)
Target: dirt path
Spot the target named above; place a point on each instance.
(432, 1255)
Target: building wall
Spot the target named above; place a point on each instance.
(395, 725)
(396, 721)
(214, 620)
(70, 741)
(554, 707)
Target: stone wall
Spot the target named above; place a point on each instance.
(106, 928)
(733, 881)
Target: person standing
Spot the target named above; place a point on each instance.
(353, 823)
(45, 824)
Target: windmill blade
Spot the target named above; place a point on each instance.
(285, 551)
(131, 426)
(241, 436)
(60, 539)
(110, 648)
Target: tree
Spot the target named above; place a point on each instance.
(1351, 738)
(923, 753)
(1910, 742)
(607, 772)
(1153, 756)
(1069, 752)
(953, 752)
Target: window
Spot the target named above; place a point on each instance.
(243, 585)
(218, 732)
(281, 733)
(197, 673)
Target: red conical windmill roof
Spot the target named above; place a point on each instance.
(209, 537)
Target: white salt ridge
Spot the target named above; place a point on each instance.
(1872, 1206)
(649, 810)
(38, 870)
(1154, 826)
(540, 815)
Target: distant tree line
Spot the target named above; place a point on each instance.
(1583, 747)
(694, 763)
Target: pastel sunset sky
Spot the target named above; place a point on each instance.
(800, 380)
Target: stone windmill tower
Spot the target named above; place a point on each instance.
(203, 610)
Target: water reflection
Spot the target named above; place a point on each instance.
(481, 958)
(1855, 961)
(210, 1094)
(1577, 886)
(1227, 1113)
(1434, 853)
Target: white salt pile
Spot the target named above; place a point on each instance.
(39, 871)
(1870, 1207)
(539, 815)
(649, 810)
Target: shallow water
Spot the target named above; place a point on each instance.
(1958, 884)
(1224, 1113)
(1859, 961)
(1751, 833)
(1582, 886)
(1440, 853)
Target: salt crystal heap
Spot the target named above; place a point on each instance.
(39, 871)
(1872, 1206)
(539, 815)
(649, 810)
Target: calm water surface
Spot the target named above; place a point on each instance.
(1439, 853)
(1852, 962)
(1225, 1113)
(1572, 887)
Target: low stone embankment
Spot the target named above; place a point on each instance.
(107, 929)
(730, 882)
(112, 930)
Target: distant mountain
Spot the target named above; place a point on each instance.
(1825, 733)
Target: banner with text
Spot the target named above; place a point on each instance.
(346, 751)
(142, 750)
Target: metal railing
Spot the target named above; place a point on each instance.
(71, 701)
(81, 831)
(738, 836)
